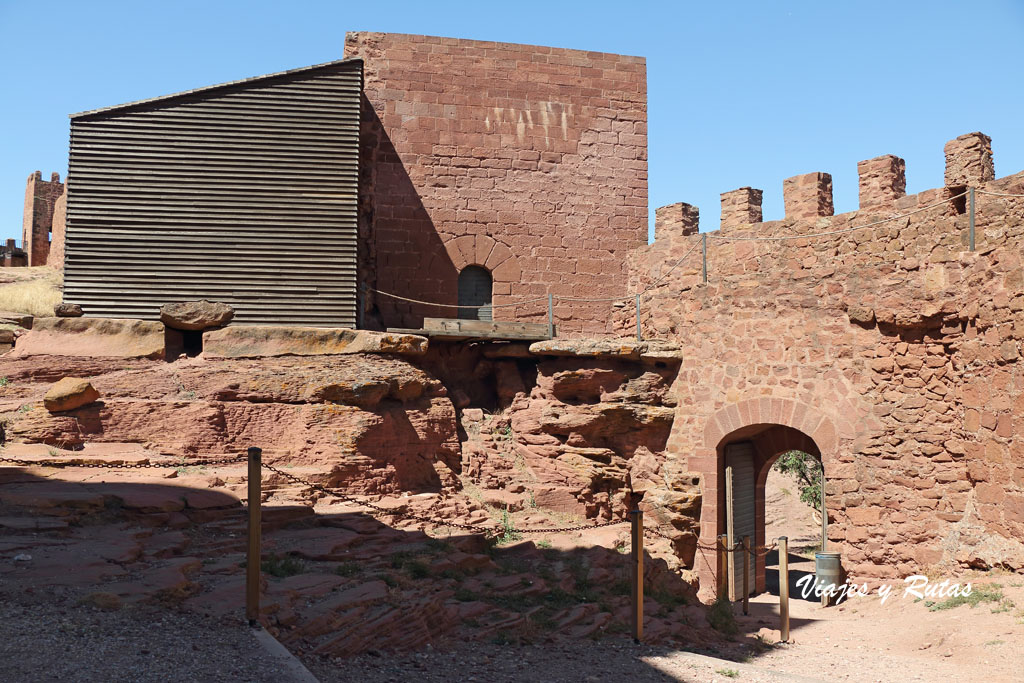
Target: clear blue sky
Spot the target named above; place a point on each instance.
(740, 93)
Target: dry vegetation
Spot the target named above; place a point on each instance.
(30, 290)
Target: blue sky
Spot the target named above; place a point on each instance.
(740, 93)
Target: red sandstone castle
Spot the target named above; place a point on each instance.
(451, 171)
(456, 171)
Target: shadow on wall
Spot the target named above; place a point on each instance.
(400, 249)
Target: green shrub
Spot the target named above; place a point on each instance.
(282, 567)
(721, 618)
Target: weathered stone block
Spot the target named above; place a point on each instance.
(808, 196)
(882, 180)
(741, 207)
(70, 393)
(676, 220)
(969, 160)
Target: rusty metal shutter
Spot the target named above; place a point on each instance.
(475, 287)
(244, 193)
(740, 457)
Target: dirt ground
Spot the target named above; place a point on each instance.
(162, 601)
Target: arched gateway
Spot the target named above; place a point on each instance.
(750, 436)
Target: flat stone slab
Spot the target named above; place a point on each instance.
(92, 337)
(263, 341)
(625, 349)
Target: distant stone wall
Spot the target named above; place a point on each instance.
(37, 219)
(892, 351)
(529, 161)
(60, 213)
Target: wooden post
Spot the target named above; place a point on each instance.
(746, 574)
(824, 512)
(637, 557)
(551, 316)
(723, 562)
(252, 572)
(784, 587)
(729, 537)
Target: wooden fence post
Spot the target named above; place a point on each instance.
(723, 574)
(746, 574)
(637, 557)
(252, 572)
(784, 588)
(730, 534)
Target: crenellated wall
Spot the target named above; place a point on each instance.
(892, 351)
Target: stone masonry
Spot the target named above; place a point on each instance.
(892, 353)
(37, 219)
(528, 161)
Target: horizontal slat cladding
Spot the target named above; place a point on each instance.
(245, 194)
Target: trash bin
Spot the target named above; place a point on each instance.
(828, 570)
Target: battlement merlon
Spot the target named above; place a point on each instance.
(882, 183)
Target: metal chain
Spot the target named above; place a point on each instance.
(125, 466)
(429, 520)
(759, 550)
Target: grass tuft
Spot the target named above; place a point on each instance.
(282, 567)
(992, 592)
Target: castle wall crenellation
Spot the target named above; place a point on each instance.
(882, 185)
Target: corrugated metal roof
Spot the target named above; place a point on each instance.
(208, 88)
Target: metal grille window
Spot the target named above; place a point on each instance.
(475, 290)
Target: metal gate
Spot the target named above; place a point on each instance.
(740, 513)
(475, 287)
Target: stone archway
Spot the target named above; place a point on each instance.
(773, 426)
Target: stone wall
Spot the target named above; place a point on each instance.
(60, 212)
(529, 161)
(893, 352)
(37, 219)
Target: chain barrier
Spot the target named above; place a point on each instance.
(758, 550)
(125, 466)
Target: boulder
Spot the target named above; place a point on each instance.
(67, 311)
(196, 315)
(68, 394)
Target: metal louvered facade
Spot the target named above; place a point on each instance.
(244, 193)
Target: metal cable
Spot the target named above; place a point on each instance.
(999, 194)
(434, 303)
(835, 232)
(554, 297)
(429, 520)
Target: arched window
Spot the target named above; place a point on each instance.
(475, 290)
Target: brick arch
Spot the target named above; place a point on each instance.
(483, 250)
(779, 411)
(775, 425)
